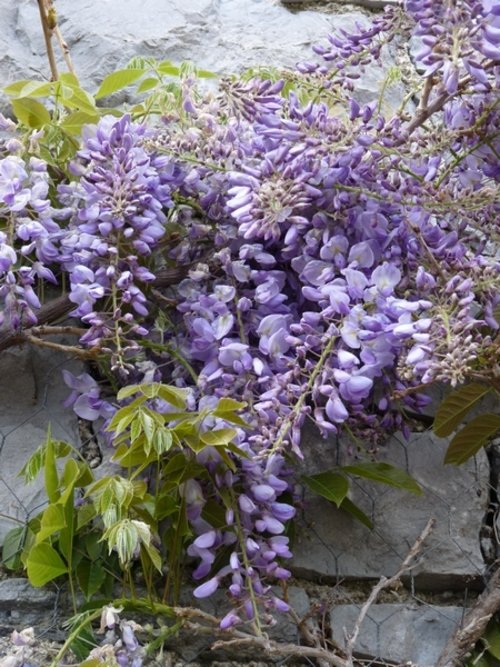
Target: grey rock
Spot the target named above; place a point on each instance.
(19, 591)
(397, 632)
(32, 393)
(224, 36)
(22, 606)
(332, 544)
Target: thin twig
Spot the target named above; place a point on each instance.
(47, 34)
(46, 330)
(72, 350)
(65, 50)
(406, 565)
(474, 625)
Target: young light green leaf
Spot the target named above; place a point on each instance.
(147, 84)
(166, 67)
(163, 441)
(15, 88)
(385, 474)
(117, 81)
(73, 122)
(220, 438)
(44, 564)
(74, 97)
(50, 471)
(229, 405)
(329, 485)
(173, 395)
(455, 406)
(472, 437)
(31, 113)
(85, 514)
(53, 520)
(33, 89)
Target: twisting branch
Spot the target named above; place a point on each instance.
(474, 625)
(406, 565)
(59, 307)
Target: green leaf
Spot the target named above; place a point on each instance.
(83, 644)
(147, 84)
(73, 122)
(90, 577)
(14, 89)
(44, 564)
(148, 427)
(173, 395)
(229, 405)
(348, 506)
(329, 485)
(85, 514)
(74, 97)
(117, 81)
(492, 639)
(13, 545)
(35, 463)
(214, 513)
(163, 441)
(53, 520)
(31, 113)
(220, 438)
(453, 409)
(472, 437)
(226, 410)
(385, 474)
(31, 89)
(126, 392)
(166, 67)
(50, 469)
(154, 555)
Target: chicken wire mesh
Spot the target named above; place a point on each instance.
(336, 561)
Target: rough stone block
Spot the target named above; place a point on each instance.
(331, 543)
(398, 633)
(32, 393)
(224, 36)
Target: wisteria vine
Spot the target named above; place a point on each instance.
(333, 261)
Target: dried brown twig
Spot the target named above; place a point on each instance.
(473, 626)
(325, 657)
(384, 583)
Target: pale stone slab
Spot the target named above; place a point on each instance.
(397, 632)
(33, 393)
(224, 36)
(331, 543)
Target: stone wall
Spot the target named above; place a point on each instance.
(336, 559)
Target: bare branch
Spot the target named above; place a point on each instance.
(47, 34)
(406, 565)
(474, 625)
(59, 307)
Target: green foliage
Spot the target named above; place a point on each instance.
(468, 441)
(61, 108)
(455, 407)
(116, 522)
(334, 484)
(476, 433)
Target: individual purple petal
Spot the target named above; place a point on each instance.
(207, 589)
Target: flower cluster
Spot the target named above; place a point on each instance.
(120, 199)
(334, 260)
(29, 242)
